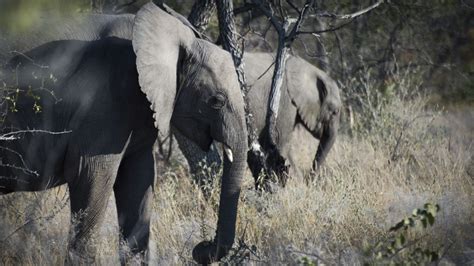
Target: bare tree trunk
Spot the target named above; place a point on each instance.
(201, 14)
(277, 82)
(258, 159)
(228, 36)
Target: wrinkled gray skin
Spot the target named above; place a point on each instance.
(309, 100)
(103, 87)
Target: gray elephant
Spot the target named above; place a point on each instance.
(92, 90)
(310, 100)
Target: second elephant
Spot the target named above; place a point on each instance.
(309, 110)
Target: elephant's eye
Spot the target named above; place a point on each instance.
(217, 101)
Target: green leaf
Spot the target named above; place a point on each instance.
(397, 226)
(411, 222)
(398, 242)
(402, 239)
(434, 256)
(431, 219)
(253, 248)
(424, 222)
(407, 221)
(432, 209)
(379, 255)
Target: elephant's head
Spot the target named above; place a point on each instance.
(192, 84)
(316, 96)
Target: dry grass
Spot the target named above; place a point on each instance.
(359, 195)
(368, 184)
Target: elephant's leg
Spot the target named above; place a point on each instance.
(134, 195)
(270, 173)
(90, 181)
(256, 168)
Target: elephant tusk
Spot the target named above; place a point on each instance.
(228, 152)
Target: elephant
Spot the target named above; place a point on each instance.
(104, 89)
(310, 107)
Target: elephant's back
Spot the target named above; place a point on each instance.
(258, 66)
(259, 73)
(302, 70)
(53, 28)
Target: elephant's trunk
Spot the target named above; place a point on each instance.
(234, 168)
(230, 191)
(328, 137)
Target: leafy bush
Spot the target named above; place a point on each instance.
(398, 249)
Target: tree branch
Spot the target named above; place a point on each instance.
(349, 17)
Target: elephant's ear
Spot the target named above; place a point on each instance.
(307, 93)
(159, 40)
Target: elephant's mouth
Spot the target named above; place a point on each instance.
(194, 129)
(207, 146)
(202, 133)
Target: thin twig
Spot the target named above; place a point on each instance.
(349, 17)
(352, 15)
(11, 135)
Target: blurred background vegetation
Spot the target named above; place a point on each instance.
(434, 38)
